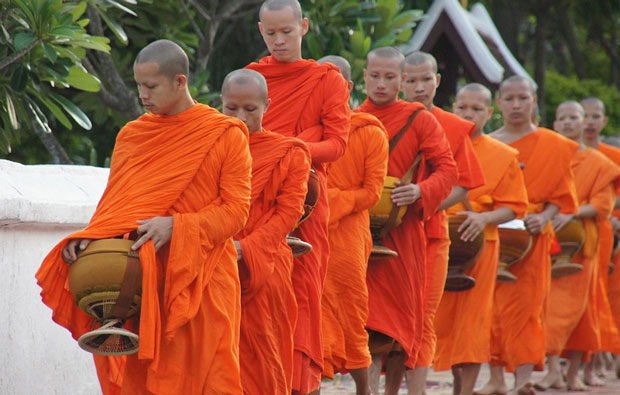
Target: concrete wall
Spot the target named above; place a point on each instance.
(39, 205)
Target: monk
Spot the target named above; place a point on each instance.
(571, 318)
(310, 101)
(596, 121)
(280, 168)
(180, 178)
(501, 199)
(354, 185)
(396, 286)
(518, 335)
(421, 86)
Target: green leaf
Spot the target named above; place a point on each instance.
(39, 117)
(91, 44)
(19, 79)
(73, 110)
(313, 45)
(11, 110)
(92, 157)
(50, 52)
(116, 28)
(54, 109)
(82, 80)
(122, 7)
(78, 10)
(22, 40)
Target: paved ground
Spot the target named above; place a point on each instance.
(440, 383)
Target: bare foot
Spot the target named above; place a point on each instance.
(575, 384)
(525, 389)
(551, 380)
(591, 379)
(492, 389)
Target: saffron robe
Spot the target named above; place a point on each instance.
(463, 320)
(613, 279)
(280, 168)
(194, 166)
(518, 334)
(595, 179)
(458, 132)
(310, 101)
(354, 186)
(396, 286)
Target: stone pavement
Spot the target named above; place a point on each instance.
(440, 383)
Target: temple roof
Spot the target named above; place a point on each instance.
(475, 38)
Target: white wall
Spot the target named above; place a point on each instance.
(39, 205)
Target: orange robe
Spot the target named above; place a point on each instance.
(518, 334)
(611, 281)
(280, 168)
(458, 132)
(190, 312)
(310, 101)
(396, 286)
(568, 296)
(354, 185)
(463, 321)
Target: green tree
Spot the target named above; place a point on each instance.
(41, 49)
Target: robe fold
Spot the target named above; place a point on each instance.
(612, 280)
(518, 327)
(194, 166)
(280, 168)
(396, 286)
(354, 186)
(568, 297)
(309, 101)
(458, 132)
(471, 311)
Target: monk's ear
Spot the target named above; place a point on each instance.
(404, 77)
(490, 111)
(438, 76)
(260, 27)
(181, 80)
(605, 121)
(535, 99)
(305, 25)
(267, 103)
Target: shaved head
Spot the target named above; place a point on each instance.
(387, 52)
(517, 79)
(593, 101)
(246, 77)
(477, 88)
(571, 103)
(340, 62)
(170, 57)
(277, 5)
(417, 58)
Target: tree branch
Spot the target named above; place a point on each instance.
(14, 57)
(51, 144)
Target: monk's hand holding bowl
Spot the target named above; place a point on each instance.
(559, 220)
(69, 253)
(535, 223)
(404, 195)
(158, 229)
(472, 226)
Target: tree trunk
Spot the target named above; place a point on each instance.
(51, 144)
(568, 32)
(113, 93)
(508, 15)
(539, 59)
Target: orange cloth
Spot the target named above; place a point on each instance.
(310, 101)
(396, 286)
(613, 280)
(280, 168)
(354, 185)
(458, 132)
(194, 166)
(518, 333)
(471, 311)
(568, 297)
